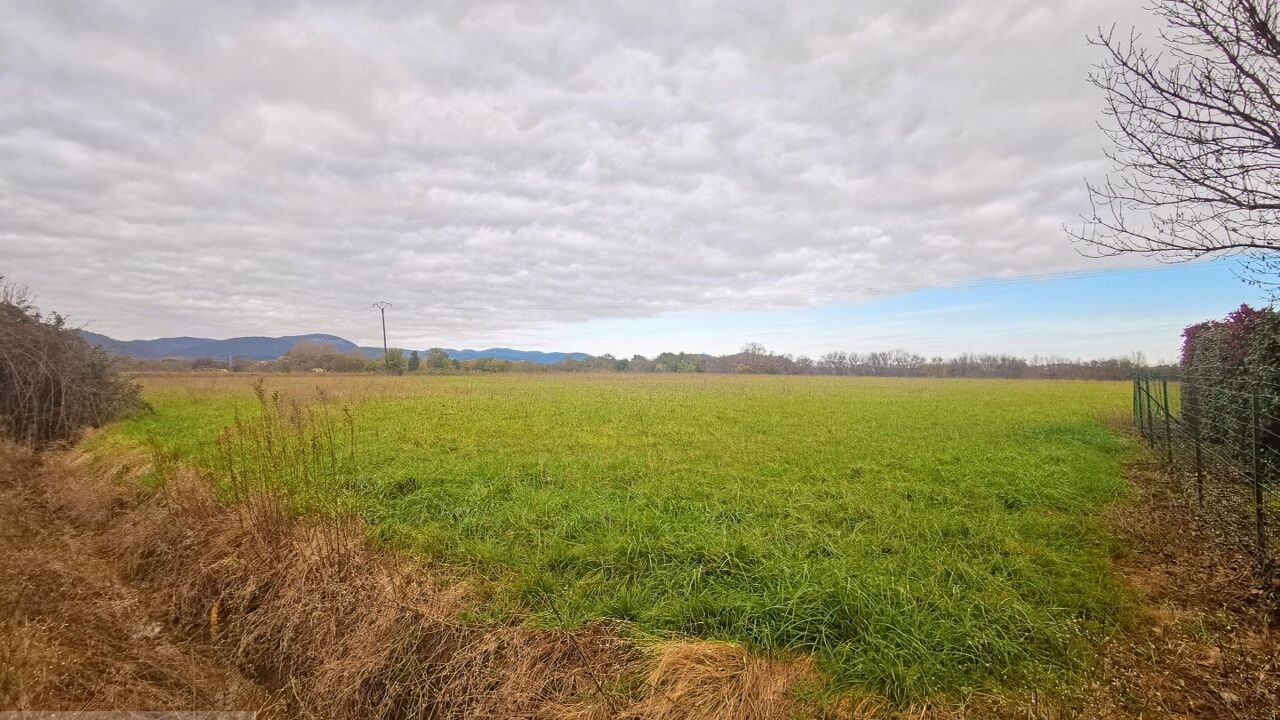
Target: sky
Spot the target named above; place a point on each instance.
(588, 176)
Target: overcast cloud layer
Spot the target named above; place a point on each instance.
(221, 168)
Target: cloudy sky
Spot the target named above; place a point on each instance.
(607, 177)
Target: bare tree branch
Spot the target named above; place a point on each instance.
(1194, 128)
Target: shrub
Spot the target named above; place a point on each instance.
(53, 384)
(1226, 364)
(394, 362)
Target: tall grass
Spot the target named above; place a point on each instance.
(916, 536)
(306, 450)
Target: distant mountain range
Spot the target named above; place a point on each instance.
(270, 348)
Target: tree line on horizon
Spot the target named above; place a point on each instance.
(752, 359)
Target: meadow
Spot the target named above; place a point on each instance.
(917, 537)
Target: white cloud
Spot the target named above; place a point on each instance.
(240, 167)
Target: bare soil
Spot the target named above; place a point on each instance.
(1205, 644)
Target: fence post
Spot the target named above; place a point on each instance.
(1257, 480)
(1137, 421)
(1151, 415)
(1139, 408)
(1168, 421)
(1195, 434)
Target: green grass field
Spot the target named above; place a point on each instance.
(918, 537)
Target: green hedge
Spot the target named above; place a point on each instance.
(1225, 364)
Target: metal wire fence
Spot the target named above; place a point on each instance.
(1218, 433)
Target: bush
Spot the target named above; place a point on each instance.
(1226, 364)
(394, 362)
(53, 384)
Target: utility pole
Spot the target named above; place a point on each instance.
(382, 306)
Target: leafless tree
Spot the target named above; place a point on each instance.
(1194, 127)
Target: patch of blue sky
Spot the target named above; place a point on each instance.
(1110, 313)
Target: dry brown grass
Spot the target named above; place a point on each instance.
(718, 680)
(347, 631)
(73, 634)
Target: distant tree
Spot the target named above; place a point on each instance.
(1195, 132)
(414, 361)
(310, 355)
(438, 359)
(209, 364)
(395, 361)
(666, 362)
(490, 365)
(835, 363)
(605, 362)
(751, 358)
